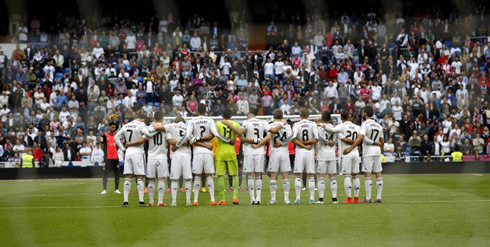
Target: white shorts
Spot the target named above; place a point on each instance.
(134, 164)
(349, 164)
(371, 164)
(279, 162)
(254, 163)
(327, 167)
(180, 166)
(304, 161)
(157, 168)
(201, 161)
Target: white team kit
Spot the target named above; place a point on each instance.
(157, 154)
(349, 163)
(253, 159)
(279, 157)
(371, 154)
(327, 162)
(134, 160)
(304, 130)
(203, 157)
(181, 158)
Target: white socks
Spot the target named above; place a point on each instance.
(297, 186)
(311, 186)
(188, 190)
(348, 186)
(357, 185)
(333, 187)
(273, 189)
(197, 187)
(127, 188)
(140, 186)
(251, 188)
(321, 187)
(286, 186)
(161, 190)
(174, 187)
(258, 185)
(379, 188)
(368, 183)
(210, 182)
(151, 191)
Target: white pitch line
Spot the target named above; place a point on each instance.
(479, 175)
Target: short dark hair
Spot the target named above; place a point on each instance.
(326, 116)
(369, 111)
(201, 108)
(227, 113)
(112, 123)
(344, 115)
(278, 114)
(158, 115)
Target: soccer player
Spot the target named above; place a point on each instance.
(226, 156)
(111, 158)
(157, 161)
(307, 132)
(327, 162)
(181, 159)
(371, 153)
(279, 155)
(252, 132)
(203, 129)
(134, 160)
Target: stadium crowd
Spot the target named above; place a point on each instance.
(426, 76)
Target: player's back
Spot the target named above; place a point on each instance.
(177, 131)
(225, 151)
(326, 152)
(201, 126)
(306, 130)
(254, 129)
(133, 131)
(157, 146)
(350, 131)
(373, 131)
(280, 136)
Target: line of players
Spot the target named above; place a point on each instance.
(254, 134)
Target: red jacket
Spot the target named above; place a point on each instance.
(37, 153)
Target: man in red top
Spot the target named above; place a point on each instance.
(365, 93)
(111, 158)
(37, 153)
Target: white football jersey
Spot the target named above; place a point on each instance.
(157, 146)
(177, 131)
(254, 129)
(305, 130)
(132, 131)
(346, 130)
(199, 127)
(280, 136)
(326, 152)
(373, 131)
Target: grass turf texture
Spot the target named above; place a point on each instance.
(443, 210)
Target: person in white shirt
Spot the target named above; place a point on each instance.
(131, 41)
(269, 69)
(306, 131)
(195, 42)
(376, 91)
(129, 100)
(97, 154)
(331, 91)
(371, 154)
(278, 68)
(97, 51)
(135, 131)
(177, 99)
(457, 66)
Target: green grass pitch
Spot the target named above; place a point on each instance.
(417, 210)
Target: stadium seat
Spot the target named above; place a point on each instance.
(449, 43)
(58, 75)
(67, 70)
(150, 103)
(391, 45)
(157, 104)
